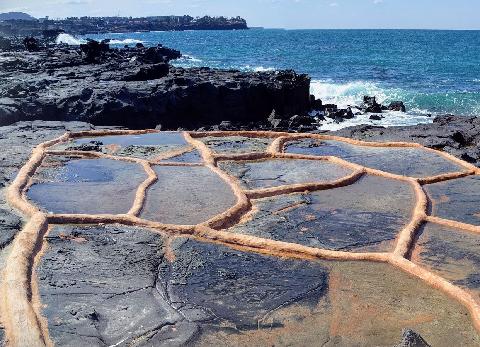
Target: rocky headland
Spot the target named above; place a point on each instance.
(137, 87)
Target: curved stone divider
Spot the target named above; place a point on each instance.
(445, 177)
(173, 153)
(14, 192)
(21, 320)
(437, 282)
(242, 157)
(18, 300)
(453, 224)
(141, 194)
(305, 187)
(123, 219)
(406, 237)
(88, 154)
(98, 133)
(243, 205)
(242, 133)
(284, 139)
(205, 152)
(235, 213)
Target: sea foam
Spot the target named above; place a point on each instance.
(69, 40)
(351, 94)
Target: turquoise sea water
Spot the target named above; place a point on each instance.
(431, 71)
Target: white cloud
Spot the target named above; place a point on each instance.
(334, 4)
(376, 2)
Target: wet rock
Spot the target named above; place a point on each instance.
(376, 117)
(316, 104)
(10, 225)
(251, 285)
(121, 307)
(341, 114)
(397, 106)
(298, 120)
(92, 146)
(159, 54)
(94, 51)
(150, 72)
(370, 105)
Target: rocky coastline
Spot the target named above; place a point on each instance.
(137, 87)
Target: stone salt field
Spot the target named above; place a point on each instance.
(145, 238)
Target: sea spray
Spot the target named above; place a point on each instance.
(69, 40)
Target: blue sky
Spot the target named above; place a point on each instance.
(294, 14)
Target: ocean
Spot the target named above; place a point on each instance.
(433, 72)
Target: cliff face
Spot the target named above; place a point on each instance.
(137, 88)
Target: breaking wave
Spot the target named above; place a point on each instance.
(69, 40)
(125, 42)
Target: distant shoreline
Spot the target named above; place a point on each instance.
(20, 26)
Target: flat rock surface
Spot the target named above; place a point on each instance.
(366, 215)
(200, 263)
(277, 172)
(86, 186)
(187, 195)
(128, 286)
(413, 162)
(457, 199)
(236, 144)
(451, 253)
(456, 135)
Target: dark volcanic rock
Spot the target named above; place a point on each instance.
(376, 117)
(456, 135)
(107, 87)
(31, 44)
(159, 54)
(94, 51)
(340, 115)
(371, 105)
(250, 285)
(151, 72)
(121, 287)
(397, 106)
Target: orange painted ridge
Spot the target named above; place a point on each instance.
(24, 325)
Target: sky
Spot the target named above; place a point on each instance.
(289, 14)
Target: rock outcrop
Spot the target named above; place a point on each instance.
(135, 87)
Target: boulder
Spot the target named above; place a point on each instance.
(94, 51)
(397, 106)
(31, 44)
(341, 114)
(370, 105)
(159, 54)
(297, 121)
(376, 117)
(149, 72)
(316, 103)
